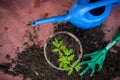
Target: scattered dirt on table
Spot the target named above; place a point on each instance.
(31, 62)
(37, 3)
(44, 15)
(6, 28)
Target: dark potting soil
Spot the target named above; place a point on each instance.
(31, 62)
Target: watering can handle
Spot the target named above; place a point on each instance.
(116, 4)
(83, 1)
(98, 4)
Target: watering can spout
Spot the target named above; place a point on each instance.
(62, 18)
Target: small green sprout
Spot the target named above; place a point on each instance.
(65, 57)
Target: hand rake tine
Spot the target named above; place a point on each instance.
(92, 73)
(84, 62)
(84, 71)
(87, 55)
(100, 68)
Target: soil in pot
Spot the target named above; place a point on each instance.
(70, 41)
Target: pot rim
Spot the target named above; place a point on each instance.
(71, 35)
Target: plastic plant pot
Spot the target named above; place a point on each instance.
(79, 50)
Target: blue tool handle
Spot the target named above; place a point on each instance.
(62, 18)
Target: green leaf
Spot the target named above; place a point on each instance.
(62, 59)
(78, 67)
(60, 43)
(61, 65)
(60, 54)
(65, 66)
(56, 40)
(67, 62)
(70, 71)
(55, 50)
(71, 51)
(74, 64)
(55, 44)
(66, 51)
(62, 47)
(71, 57)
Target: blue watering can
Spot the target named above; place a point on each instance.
(84, 14)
